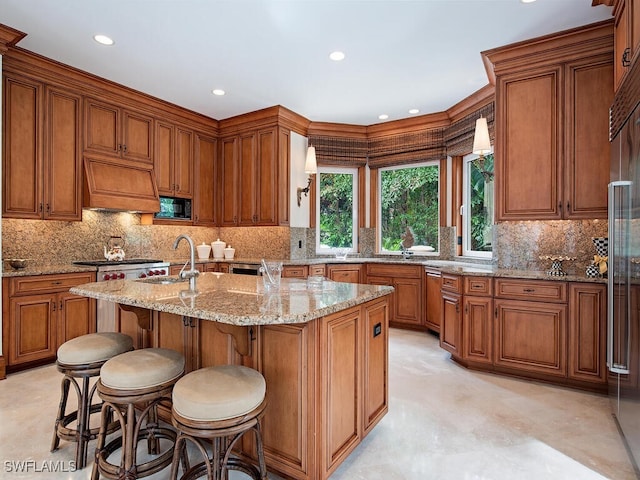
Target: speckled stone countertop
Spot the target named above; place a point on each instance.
(448, 266)
(236, 299)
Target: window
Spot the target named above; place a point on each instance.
(337, 219)
(409, 197)
(477, 211)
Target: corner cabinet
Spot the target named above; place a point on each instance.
(39, 315)
(552, 116)
(254, 178)
(42, 161)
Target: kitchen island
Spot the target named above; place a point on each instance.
(323, 352)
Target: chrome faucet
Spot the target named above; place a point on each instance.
(192, 273)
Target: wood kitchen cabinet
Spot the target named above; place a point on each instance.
(477, 321)
(552, 126)
(295, 271)
(433, 301)
(42, 166)
(406, 300)
(253, 172)
(626, 37)
(343, 272)
(117, 131)
(451, 327)
(531, 326)
(204, 207)
(39, 315)
(587, 332)
(174, 160)
(317, 270)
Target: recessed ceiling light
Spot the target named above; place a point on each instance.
(527, 1)
(413, 111)
(384, 116)
(103, 39)
(336, 56)
(218, 91)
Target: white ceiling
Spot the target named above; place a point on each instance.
(400, 54)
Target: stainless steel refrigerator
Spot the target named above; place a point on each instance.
(623, 356)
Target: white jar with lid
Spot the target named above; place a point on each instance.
(218, 249)
(203, 251)
(229, 253)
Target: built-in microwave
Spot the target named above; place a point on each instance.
(174, 208)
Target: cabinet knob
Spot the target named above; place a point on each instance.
(124, 149)
(625, 57)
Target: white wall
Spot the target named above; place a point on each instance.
(299, 214)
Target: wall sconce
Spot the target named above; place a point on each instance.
(482, 147)
(310, 168)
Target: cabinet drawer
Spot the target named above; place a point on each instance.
(451, 283)
(49, 283)
(482, 286)
(295, 272)
(390, 270)
(316, 270)
(549, 291)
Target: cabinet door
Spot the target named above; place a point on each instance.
(620, 41)
(531, 336)
(102, 128)
(434, 301)
(408, 301)
(247, 182)
(204, 198)
(76, 316)
(63, 157)
(22, 159)
(183, 163)
(295, 271)
(228, 186)
(450, 330)
(375, 364)
(317, 270)
(528, 146)
(137, 136)
(589, 95)
(171, 332)
(372, 280)
(478, 329)
(214, 347)
(267, 175)
(587, 332)
(32, 328)
(339, 372)
(163, 161)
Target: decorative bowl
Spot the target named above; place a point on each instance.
(17, 263)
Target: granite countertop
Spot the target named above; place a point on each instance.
(455, 267)
(236, 299)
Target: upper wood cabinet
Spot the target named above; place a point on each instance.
(42, 166)
(116, 131)
(626, 37)
(174, 160)
(204, 211)
(552, 103)
(250, 169)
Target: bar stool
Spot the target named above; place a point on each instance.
(219, 404)
(141, 379)
(81, 358)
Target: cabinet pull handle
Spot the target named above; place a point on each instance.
(457, 307)
(40, 208)
(560, 206)
(61, 305)
(48, 208)
(495, 312)
(529, 290)
(568, 207)
(57, 282)
(124, 149)
(53, 307)
(466, 308)
(625, 57)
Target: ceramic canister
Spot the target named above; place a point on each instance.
(218, 248)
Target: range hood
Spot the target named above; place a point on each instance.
(116, 184)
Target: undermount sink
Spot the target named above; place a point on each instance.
(163, 280)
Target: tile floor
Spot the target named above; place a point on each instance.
(444, 422)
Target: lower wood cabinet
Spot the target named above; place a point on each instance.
(39, 315)
(433, 307)
(407, 308)
(451, 308)
(295, 271)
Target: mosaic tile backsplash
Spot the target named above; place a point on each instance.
(517, 245)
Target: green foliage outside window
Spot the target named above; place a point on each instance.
(409, 198)
(336, 210)
(481, 203)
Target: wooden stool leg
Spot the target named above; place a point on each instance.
(129, 444)
(102, 436)
(84, 435)
(262, 466)
(64, 394)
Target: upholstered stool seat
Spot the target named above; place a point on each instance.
(219, 404)
(82, 357)
(140, 379)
